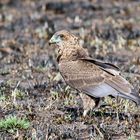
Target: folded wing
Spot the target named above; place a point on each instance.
(97, 79)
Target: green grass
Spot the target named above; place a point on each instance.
(17, 93)
(131, 138)
(13, 123)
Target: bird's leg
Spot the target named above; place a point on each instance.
(98, 103)
(88, 103)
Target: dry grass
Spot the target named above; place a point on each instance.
(30, 86)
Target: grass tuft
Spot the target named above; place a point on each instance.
(12, 123)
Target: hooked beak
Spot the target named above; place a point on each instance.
(54, 40)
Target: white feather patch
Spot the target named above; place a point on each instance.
(101, 90)
(114, 72)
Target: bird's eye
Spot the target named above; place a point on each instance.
(62, 36)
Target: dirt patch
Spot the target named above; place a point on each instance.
(31, 86)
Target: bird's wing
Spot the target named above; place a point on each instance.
(108, 67)
(96, 78)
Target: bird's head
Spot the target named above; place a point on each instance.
(63, 38)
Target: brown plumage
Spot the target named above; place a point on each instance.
(95, 79)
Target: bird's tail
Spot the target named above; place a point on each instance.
(136, 98)
(133, 96)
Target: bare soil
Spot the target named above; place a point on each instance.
(109, 29)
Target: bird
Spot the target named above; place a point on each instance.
(94, 79)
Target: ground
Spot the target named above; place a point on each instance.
(31, 88)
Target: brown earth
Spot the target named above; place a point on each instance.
(109, 29)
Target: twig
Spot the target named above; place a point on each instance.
(13, 93)
(100, 133)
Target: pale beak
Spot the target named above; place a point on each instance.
(54, 40)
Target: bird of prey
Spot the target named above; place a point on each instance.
(93, 78)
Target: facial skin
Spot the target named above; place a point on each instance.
(56, 39)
